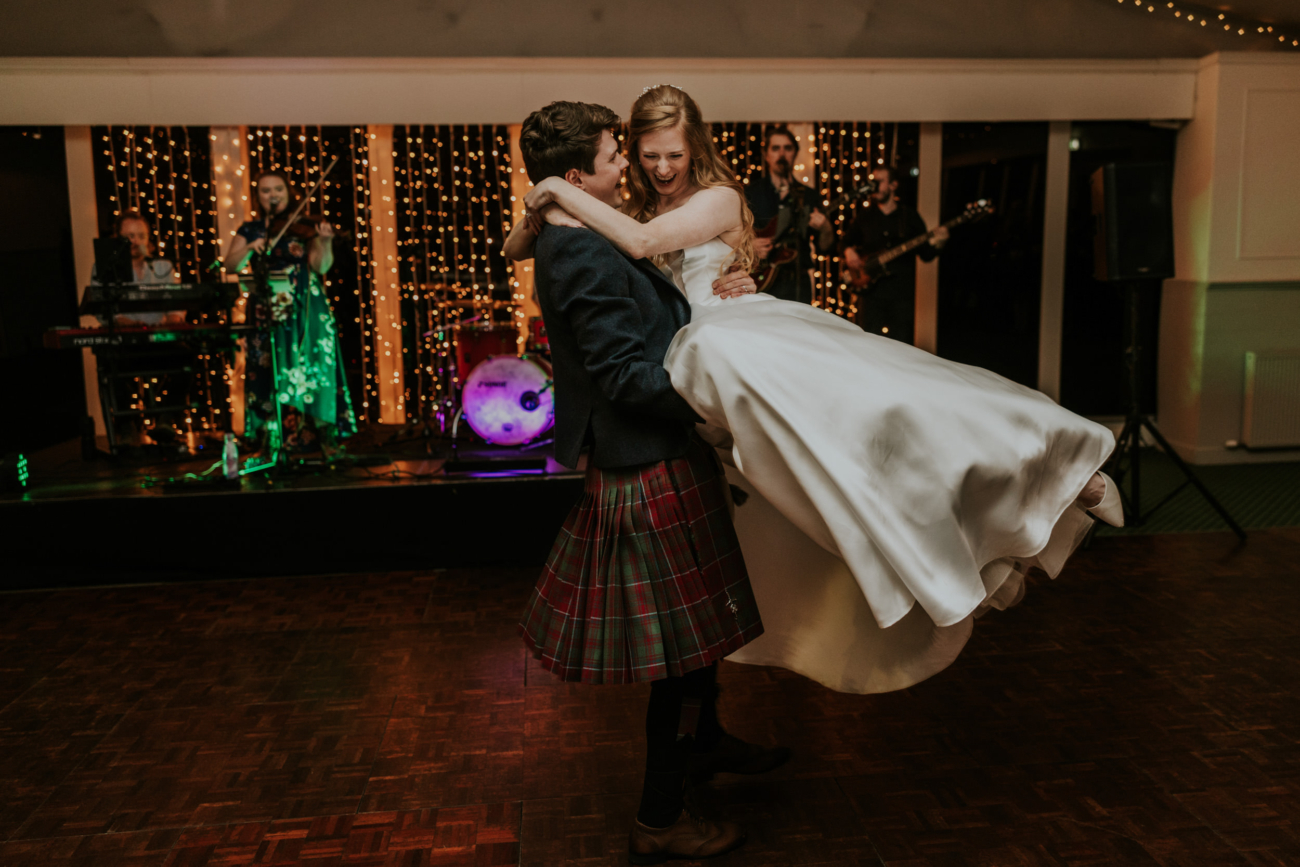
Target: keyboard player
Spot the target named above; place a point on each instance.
(150, 270)
(159, 397)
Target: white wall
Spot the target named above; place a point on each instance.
(1237, 247)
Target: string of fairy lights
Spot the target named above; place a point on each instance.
(453, 191)
(303, 152)
(741, 145)
(846, 153)
(1220, 20)
(164, 173)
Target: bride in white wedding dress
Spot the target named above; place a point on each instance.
(893, 496)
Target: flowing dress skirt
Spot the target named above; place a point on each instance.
(896, 494)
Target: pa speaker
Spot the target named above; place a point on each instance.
(1132, 204)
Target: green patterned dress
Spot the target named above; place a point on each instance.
(313, 391)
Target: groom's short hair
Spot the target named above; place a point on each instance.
(563, 136)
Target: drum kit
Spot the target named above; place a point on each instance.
(505, 396)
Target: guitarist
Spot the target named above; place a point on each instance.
(776, 195)
(887, 305)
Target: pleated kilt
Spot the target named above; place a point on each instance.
(646, 578)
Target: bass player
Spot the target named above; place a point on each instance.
(887, 303)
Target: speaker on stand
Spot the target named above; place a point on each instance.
(1132, 205)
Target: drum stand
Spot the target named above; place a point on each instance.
(1130, 439)
(455, 442)
(428, 425)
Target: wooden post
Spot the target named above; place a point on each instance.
(230, 180)
(524, 291)
(387, 289)
(80, 155)
(1052, 288)
(928, 199)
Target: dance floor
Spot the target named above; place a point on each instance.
(1144, 708)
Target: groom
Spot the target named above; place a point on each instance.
(646, 581)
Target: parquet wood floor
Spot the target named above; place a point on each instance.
(1142, 709)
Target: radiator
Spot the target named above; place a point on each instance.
(1271, 415)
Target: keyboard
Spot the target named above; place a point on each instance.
(138, 335)
(158, 298)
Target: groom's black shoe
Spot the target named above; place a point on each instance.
(731, 755)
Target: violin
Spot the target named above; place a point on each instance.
(304, 227)
(295, 222)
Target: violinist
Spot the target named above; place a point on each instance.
(312, 389)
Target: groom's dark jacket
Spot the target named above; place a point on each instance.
(610, 319)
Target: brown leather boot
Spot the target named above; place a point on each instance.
(690, 838)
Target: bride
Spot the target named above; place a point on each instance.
(893, 496)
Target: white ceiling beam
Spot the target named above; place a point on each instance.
(230, 91)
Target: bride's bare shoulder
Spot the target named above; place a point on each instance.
(719, 197)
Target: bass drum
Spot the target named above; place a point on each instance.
(508, 399)
(479, 341)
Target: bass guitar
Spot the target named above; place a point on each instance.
(785, 243)
(877, 265)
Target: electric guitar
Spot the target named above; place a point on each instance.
(876, 266)
(785, 246)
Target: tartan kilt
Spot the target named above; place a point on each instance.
(646, 578)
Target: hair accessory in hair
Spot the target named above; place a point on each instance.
(646, 90)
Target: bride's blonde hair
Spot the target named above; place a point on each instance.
(665, 107)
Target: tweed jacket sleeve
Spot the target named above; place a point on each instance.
(591, 287)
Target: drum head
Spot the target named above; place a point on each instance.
(508, 400)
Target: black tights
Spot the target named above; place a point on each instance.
(679, 706)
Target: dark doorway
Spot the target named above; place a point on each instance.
(990, 273)
(45, 399)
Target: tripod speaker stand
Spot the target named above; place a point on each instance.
(1135, 422)
(1134, 244)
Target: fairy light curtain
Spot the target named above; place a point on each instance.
(303, 152)
(845, 155)
(453, 195)
(741, 145)
(165, 174)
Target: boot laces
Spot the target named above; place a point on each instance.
(692, 808)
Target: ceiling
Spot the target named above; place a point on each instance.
(613, 28)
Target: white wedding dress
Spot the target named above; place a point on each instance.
(894, 495)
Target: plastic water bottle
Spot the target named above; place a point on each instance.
(230, 457)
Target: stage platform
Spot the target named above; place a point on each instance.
(394, 502)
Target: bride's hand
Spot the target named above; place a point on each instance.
(557, 216)
(734, 282)
(542, 194)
